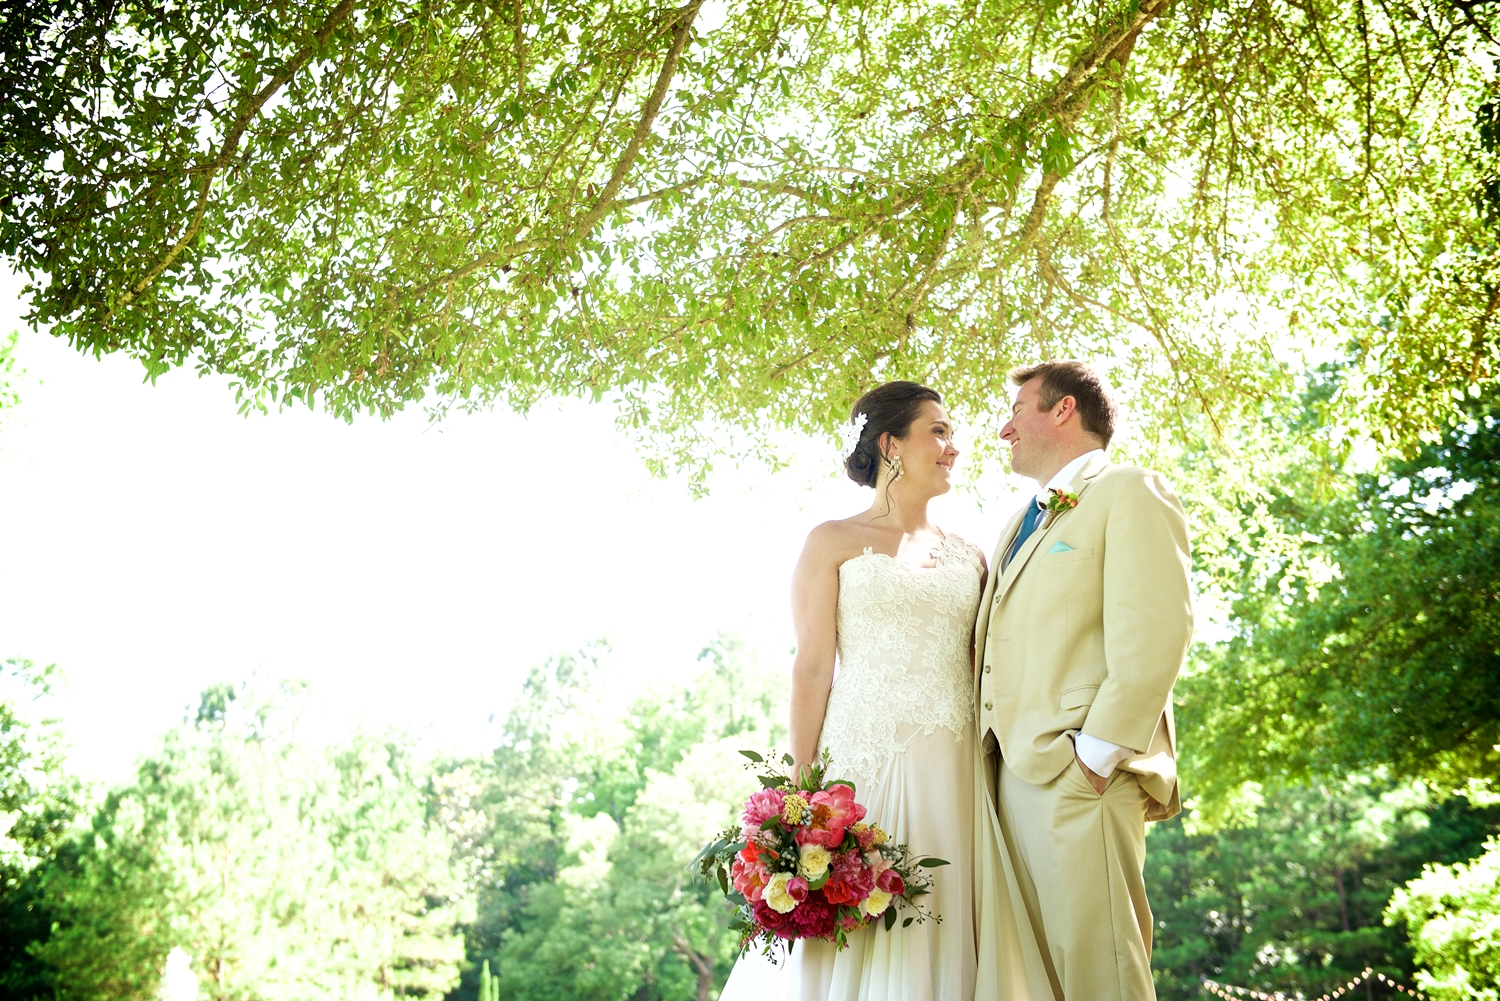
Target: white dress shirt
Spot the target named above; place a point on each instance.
(1100, 755)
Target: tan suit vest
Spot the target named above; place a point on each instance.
(1087, 629)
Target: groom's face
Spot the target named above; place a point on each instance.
(1031, 431)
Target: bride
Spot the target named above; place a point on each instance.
(891, 598)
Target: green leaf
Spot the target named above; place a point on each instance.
(753, 756)
(890, 917)
(931, 863)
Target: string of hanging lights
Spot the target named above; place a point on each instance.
(1230, 992)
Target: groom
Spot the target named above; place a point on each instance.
(1084, 623)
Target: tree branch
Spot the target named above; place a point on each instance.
(230, 146)
(683, 24)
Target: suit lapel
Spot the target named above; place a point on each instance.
(982, 621)
(1079, 486)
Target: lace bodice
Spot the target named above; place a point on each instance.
(904, 632)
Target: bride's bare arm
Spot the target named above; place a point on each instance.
(815, 597)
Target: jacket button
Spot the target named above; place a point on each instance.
(989, 705)
(986, 669)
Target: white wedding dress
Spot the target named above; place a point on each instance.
(899, 726)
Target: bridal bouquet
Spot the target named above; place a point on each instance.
(803, 863)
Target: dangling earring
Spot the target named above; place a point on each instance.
(893, 466)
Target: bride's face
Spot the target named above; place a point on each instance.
(927, 452)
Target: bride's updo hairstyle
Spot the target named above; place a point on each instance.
(892, 408)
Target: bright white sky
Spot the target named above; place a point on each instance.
(153, 542)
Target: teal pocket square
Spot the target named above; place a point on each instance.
(1059, 547)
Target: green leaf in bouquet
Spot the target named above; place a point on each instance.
(735, 848)
(771, 781)
(788, 760)
(890, 917)
(819, 883)
(932, 863)
(843, 782)
(737, 898)
(753, 756)
(907, 922)
(723, 881)
(702, 857)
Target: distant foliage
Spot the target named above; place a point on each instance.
(282, 870)
(1372, 641)
(1453, 913)
(1293, 898)
(39, 800)
(580, 828)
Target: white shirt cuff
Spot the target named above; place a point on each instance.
(1100, 755)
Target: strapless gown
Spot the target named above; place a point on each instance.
(900, 726)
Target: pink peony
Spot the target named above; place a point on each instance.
(749, 876)
(760, 808)
(830, 812)
(796, 888)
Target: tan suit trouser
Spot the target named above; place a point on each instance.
(1079, 858)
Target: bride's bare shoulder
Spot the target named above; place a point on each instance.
(835, 541)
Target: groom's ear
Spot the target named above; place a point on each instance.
(1065, 408)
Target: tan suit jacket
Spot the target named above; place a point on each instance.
(1086, 629)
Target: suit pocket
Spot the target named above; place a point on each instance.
(1079, 696)
(1060, 559)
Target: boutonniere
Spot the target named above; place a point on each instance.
(1060, 501)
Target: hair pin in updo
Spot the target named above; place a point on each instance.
(851, 433)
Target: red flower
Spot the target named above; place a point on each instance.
(850, 879)
(829, 813)
(891, 882)
(814, 918)
(781, 925)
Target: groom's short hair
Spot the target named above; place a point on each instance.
(1096, 407)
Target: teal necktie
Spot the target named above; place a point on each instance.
(1028, 525)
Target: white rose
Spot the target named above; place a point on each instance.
(813, 862)
(875, 904)
(776, 896)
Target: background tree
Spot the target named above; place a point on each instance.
(1292, 898)
(39, 799)
(1453, 913)
(1376, 645)
(581, 826)
(282, 870)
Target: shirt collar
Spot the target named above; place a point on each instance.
(1065, 475)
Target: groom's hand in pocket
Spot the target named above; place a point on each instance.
(1095, 779)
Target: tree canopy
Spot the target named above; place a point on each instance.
(748, 211)
(1380, 645)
